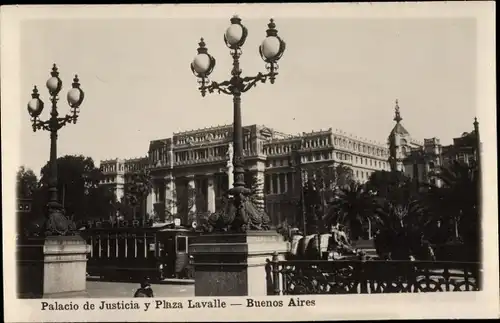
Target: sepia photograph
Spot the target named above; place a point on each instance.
(253, 154)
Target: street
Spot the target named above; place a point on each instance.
(106, 289)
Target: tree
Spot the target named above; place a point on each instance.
(185, 205)
(125, 208)
(318, 188)
(400, 226)
(351, 207)
(457, 201)
(392, 185)
(102, 203)
(27, 182)
(344, 175)
(78, 187)
(138, 190)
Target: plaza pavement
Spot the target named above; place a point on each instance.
(105, 289)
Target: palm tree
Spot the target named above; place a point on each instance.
(401, 227)
(351, 207)
(391, 185)
(344, 175)
(458, 198)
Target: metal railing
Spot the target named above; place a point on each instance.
(294, 277)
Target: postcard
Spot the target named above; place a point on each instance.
(247, 162)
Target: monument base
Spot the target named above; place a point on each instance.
(52, 267)
(234, 264)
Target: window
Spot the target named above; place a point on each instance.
(289, 180)
(130, 248)
(181, 244)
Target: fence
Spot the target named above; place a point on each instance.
(294, 277)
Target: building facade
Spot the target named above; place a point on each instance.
(420, 160)
(192, 170)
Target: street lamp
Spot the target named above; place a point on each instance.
(244, 216)
(57, 223)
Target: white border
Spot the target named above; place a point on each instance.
(435, 305)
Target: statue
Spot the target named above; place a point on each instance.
(170, 157)
(229, 154)
(340, 237)
(57, 222)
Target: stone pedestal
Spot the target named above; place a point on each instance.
(52, 267)
(228, 264)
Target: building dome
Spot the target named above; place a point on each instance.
(399, 130)
(398, 127)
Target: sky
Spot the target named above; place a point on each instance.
(343, 73)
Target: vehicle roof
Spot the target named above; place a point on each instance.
(157, 227)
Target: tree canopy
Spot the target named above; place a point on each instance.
(391, 185)
(352, 207)
(136, 193)
(26, 182)
(78, 187)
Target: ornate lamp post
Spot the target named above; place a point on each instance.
(243, 216)
(56, 223)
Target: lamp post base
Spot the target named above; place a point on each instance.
(238, 214)
(57, 223)
(52, 267)
(234, 264)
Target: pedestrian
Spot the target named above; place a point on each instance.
(145, 290)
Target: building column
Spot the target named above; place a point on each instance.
(192, 184)
(170, 196)
(210, 193)
(149, 206)
(278, 184)
(152, 198)
(286, 182)
(271, 183)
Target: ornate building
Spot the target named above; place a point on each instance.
(192, 169)
(199, 160)
(463, 149)
(421, 159)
